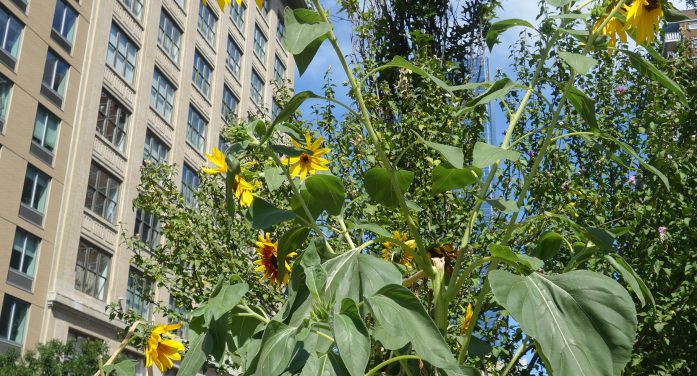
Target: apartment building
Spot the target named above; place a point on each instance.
(89, 89)
(679, 32)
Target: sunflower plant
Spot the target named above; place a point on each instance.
(361, 300)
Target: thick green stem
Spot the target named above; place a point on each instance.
(521, 350)
(344, 231)
(382, 365)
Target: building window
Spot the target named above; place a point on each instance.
(147, 228)
(112, 120)
(55, 74)
(121, 54)
(24, 250)
(177, 313)
(266, 9)
(234, 57)
(692, 25)
(206, 22)
(102, 193)
(13, 319)
(138, 294)
(169, 36)
(162, 95)
(230, 102)
(135, 6)
(92, 270)
(259, 44)
(222, 145)
(190, 182)
(76, 339)
(5, 90)
(275, 110)
(257, 89)
(280, 28)
(237, 13)
(202, 74)
(10, 32)
(279, 71)
(64, 21)
(35, 191)
(45, 129)
(155, 151)
(196, 130)
(181, 3)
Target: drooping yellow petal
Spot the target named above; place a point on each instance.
(643, 18)
(260, 3)
(218, 159)
(223, 3)
(161, 349)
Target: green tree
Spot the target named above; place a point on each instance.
(55, 358)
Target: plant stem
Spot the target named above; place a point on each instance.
(521, 350)
(375, 369)
(344, 231)
(122, 346)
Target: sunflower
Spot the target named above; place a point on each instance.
(444, 251)
(268, 251)
(400, 256)
(161, 348)
(467, 319)
(613, 30)
(218, 159)
(305, 164)
(243, 191)
(643, 17)
(223, 3)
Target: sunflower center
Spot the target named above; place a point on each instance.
(274, 261)
(653, 4)
(304, 158)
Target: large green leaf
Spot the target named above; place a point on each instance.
(632, 278)
(452, 154)
(498, 90)
(351, 336)
(377, 184)
(293, 105)
(580, 63)
(484, 155)
(400, 313)
(445, 179)
(583, 105)
(241, 329)
(492, 37)
(315, 275)
(504, 206)
(314, 207)
(277, 347)
(263, 214)
(650, 71)
(584, 322)
(226, 299)
(274, 177)
(549, 245)
(123, 368)
(327, 191)
(304, 29)
(200, 345)
(289, 242)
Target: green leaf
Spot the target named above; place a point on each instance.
(374, 228)
(241, 329)
(377, 184)
(672, 14)
(228, 297)
(446, 179)
(580, 63)
(327, 191)
(452, 154)
(534, 262)
(305, 32)
(400, 313)
(123, 368)
(632, 278)
(498, 90)
(290, 151)
(274, 177)
(570, 16)
(650, 71)
(584, 322)
(262, 214)
(583, 105)
(558, 3)
(484, 155)
(289, 242)
(200, 345)
(602, 239)
(504, 206)
(277, 346)
(351, 336)
(293, 105)
(400, 62)
(312, 205)
(506, 253)
(549, 245)
(492, 37)
(315, 275)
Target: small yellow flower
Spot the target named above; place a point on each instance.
(161, 348)
(305, 164)
(243, 191)
(399, 255)
(613, 30)
(643, 17)
(467, 320)
(267, 252)
(218, 159)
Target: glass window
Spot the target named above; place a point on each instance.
(155, 150)
(196, 130)
(257, 89)
(259, 44)
(206, 22)
(162, 95)
(222, 145)
(92, 270)
(234, 57)
(182, 3)
(169, 36)
(138, 294)
(64, 20)
(112, 120)
(45, 129)
(190, 182)
(13, 319)
(102, 193)
(275, 110)
(202, 74)
(10, 32)
(121, 53)
(35, 189)
(280, 28)
(55, 73)
(147, 228)
(237, 13)
(177, 313)
(135, 6)
(5, 90)
(24, 251)
(266, 8)
(279, 71)
(230, 102)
